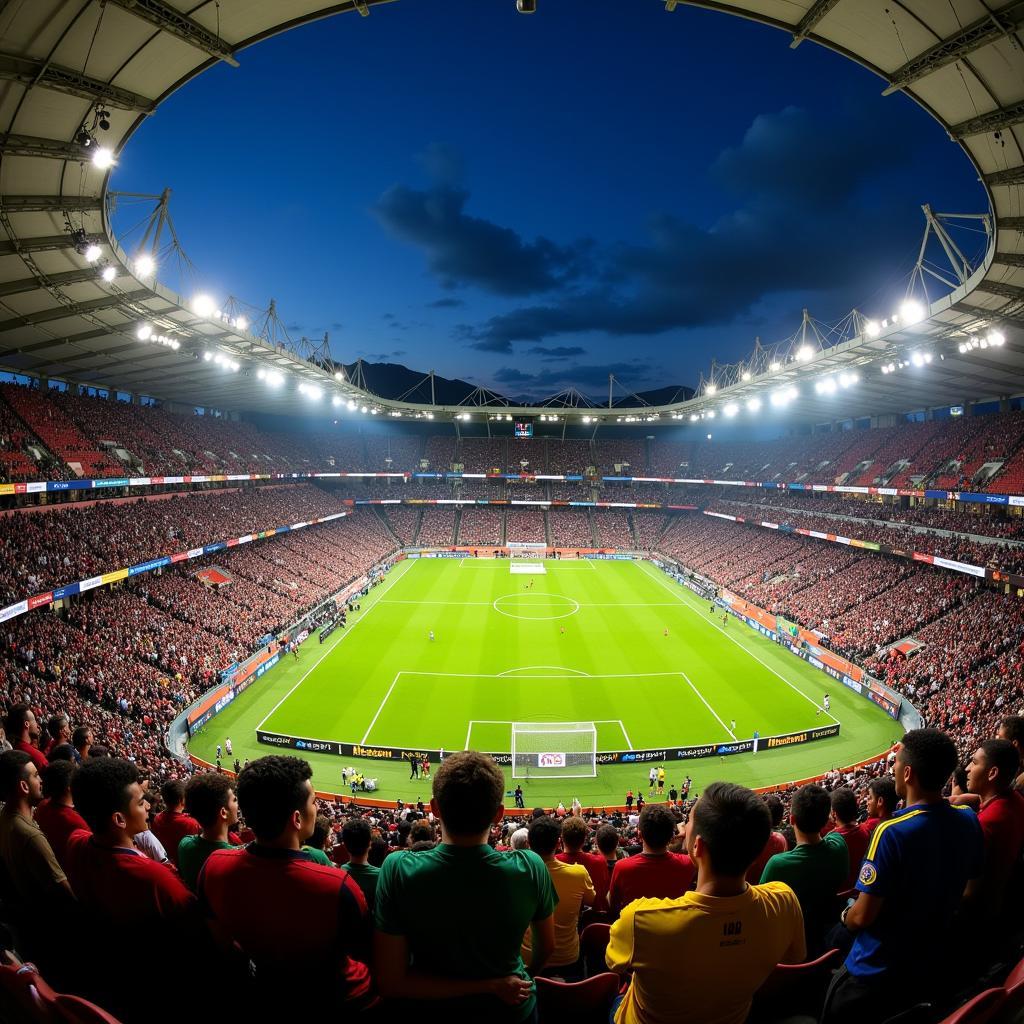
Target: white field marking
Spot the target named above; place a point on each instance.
(575, 607)
(481, 604)
(707, 705)
(625, 735)
(557, 668)
(398, 675)
(499, 675)
(496, 563)
(742, 647)
(392, 579)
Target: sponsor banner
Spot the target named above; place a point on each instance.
(12, 610)
(121, 481)
(114, 577)
(946, 563)
(156, 563)
(142, 481)
(61, 592)
(90, 584)
(1016, 500)
(194, 552)
(208, 549)
(7, 489)
(39, 600)
(35, 487)
(793, 738)
(983, 499)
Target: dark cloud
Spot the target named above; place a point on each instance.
(592, 377)
(465, 250)
(556, 353)
(810, 217)
(445, 304)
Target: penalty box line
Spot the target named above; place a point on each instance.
(506, 721)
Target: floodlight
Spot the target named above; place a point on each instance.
(203, 305)
(339, 376)
(207, 356)
(145, 265)
(775, 365)
(313, 393)
(109, 273)
(241, 323)
(917, 359)
(754, 404)
(710, 389)
(912, 312)
(804, 353)
(92, 253)
(102, 158)
(351, 404)
(336, 401)
(997, 338)
(731, 409)
(745, 376)
(144, 332)
(711, 414)
(694, 417)
(872, 328)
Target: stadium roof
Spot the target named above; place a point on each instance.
(62, 63)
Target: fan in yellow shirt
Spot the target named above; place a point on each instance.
(702, 957)
(574, 889)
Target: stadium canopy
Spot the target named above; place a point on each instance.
(65, 67)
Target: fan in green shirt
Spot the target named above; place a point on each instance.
(450, 920)
(210, 799)
(816, 869)
(315, 848)
(356, 836)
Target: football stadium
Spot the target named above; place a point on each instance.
(711, 693)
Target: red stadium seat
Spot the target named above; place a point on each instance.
(66, 1009)
(24, 994)
(579, 1002)
(795, 988)
(593, 943)
(983, 1007)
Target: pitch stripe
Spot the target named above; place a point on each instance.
(369, 728)
(707, 705)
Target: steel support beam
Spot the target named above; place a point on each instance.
(810, 20)
(993, 121)
(29, 73)
(989, 29)
(70, 339)
(46, 243)
(28, 284)
(49, 149)
(981, 313)
(1011, 176)
(75, 309)
(50, 204)
(170, 20)
(1009, 259)
(1010, 223)
(1007, 291)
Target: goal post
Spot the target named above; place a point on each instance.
(554, 750)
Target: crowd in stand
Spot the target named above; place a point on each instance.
(571, 528)
(481, 525)
(613, 530)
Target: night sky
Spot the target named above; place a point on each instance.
(532, 202)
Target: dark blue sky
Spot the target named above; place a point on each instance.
(535, 201)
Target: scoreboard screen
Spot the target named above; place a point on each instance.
(524, 429)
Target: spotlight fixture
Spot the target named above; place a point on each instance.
(804, 354)
(103, 119)
(145, 265)
(92, 253)
(710, 389)
(109, 273)
(911, 312)
(103, 158)
(745, 376)
(754, 404)
(203, 305)
(526, 6)
(872, 328)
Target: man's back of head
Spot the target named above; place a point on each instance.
(844, 806)
(356, 835)
(809, 810)
(657, 826)
(775, 808)
(544, 833)
(733, 825)
(468, 790)
(607, 839)
(924, 762)
(276, 799)
(574, 834)
(172, 792)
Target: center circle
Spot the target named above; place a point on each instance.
(536, 607)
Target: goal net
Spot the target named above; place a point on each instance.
(526, 549)
(554, 750)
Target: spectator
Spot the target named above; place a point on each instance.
(776, 840)
(844, 817)
(574, 835)
(816, 869)
(991, 775)
(574, 889)
(307, 917)
(316, 846)
(1011, 728)
(58, 729)
(56, 815)
(171, 825)
(464, 962)
(881, 803)
(211, 801)
(917, 868)
(685, 967)
(654, 871)
(607, 839)
(34, 883)
(23, 729)
(82, 740)
(356, 835)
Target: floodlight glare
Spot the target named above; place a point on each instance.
(145, 266)
(241, 323)
(804, 353)
(731, 409)
(997, 338)
(336, 401)
(351, 404)
(203, 305)
(93, 253)
(109, 273)
(207, 356)
(313, 393)
(917, 359)
(710, 389)
(911, 312)
(775, 366)
(144, 332)
(694, 417)
(872, 328)
(745, 376)
(102, 158)
(754, 404)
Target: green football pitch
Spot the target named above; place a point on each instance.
(616, 643)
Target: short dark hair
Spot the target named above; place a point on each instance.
(422, 832)
(544, 833)
(932, 755)
(810, 808)
(100, 789)
(607, 839)
(78, 737)
(883, 788)
(734, 824)
(12, 771)
(321, 830)
(657, 826)
(574, 833)
(1002, 755)
(270, 789)
(57, 776)
(468, 788)
(844, 803)
(14, 723)
(775, 808)
(53, 724)
(356, 835)
(172, 792)
(61, 752)
(206, 793)
(1013, 726)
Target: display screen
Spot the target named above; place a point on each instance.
(524, 429)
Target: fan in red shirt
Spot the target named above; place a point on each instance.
(655, 872)
(295, 919)
(23, 732)
(132, 902)
(776, 841)
(881, 803)
(171, 825)
(991, 774)
(574, 835)
(56, 815)
(844, 817)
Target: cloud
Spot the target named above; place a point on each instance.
(587, 376)
(464, 250)
(445, 304)
(808, 219)
(556, 353)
